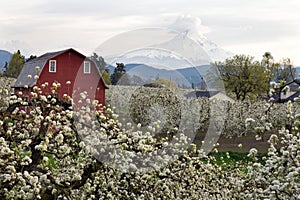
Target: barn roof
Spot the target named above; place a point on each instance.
(198, 94)
(29, 68)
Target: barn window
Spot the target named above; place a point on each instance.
(87, 67)
(52, 66)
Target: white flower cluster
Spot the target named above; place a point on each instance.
(279, 176)
(53, 152)
(147, 105)
(5, 91)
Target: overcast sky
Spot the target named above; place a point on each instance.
(241, 26)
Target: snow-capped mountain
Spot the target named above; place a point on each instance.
(157, 57)
(186, 47)
(192, 27)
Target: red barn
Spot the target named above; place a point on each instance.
(74, 71)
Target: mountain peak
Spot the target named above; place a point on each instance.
(192, 27)
(182, 46)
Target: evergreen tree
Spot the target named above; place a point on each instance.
(119, 72)
(15, 65)
(31, 58)
(193, 85)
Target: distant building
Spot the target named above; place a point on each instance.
(212, 95)
(286, 96)
(74, 71)
(293, 96)
(289, 94)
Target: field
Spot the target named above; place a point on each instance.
(148, 145)
(234, 130)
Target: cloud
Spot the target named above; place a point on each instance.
(88, 23)
(189, 23)
(231, 31)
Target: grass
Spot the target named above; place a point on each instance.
(229, 153)
(235, 157)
